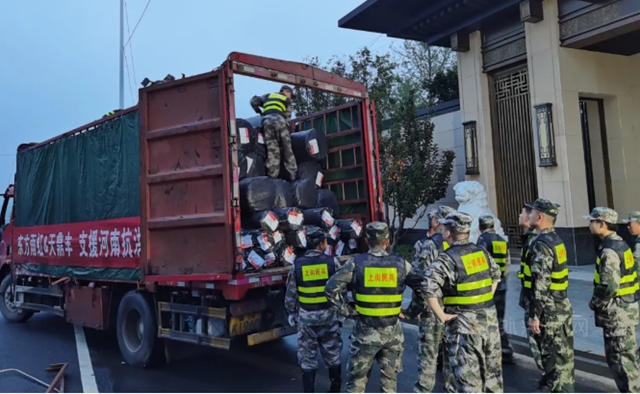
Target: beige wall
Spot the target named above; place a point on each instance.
(475, 105)
(560, 76)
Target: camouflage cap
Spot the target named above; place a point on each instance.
(634, 216)
(377, 231)
(486, 221)
(459, 221)
(603, 214)
(315, 234)
(443, 211)
(545, 206)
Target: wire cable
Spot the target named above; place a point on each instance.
(137, 23)
(130, 77)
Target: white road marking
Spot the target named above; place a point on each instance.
(87, 376)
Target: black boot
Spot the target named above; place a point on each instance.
(335, 375)
(308, 380)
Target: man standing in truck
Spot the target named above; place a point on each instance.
(276, 114)
(377, 281)
(307, 306)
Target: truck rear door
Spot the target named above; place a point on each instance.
(185, 179)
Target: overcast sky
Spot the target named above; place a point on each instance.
(60, 64)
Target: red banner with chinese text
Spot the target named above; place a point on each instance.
(112, 243)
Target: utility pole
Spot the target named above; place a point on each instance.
(121, 54)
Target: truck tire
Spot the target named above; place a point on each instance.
(7, 308)
(136, 331)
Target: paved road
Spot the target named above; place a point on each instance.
(271, 367)
(46, 339)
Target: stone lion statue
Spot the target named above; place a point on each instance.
(472, 198)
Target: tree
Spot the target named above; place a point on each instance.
(429, 67)
(414, 171)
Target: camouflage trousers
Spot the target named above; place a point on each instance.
(325, 338)
(622, 358)
(430, 339)
(278, 141)
(473, 361)
(556, 354)
(534, 346)
(384, 345)
(500, 299)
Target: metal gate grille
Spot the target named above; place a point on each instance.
(513, 148)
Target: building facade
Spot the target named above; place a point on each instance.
(549, 99)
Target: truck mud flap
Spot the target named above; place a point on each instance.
(269, 335)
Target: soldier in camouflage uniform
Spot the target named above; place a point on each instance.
(614, 301)
(550, 311)
(525, 291)
(276, 113)
(426, 251)
(377, 280)
(499, 250)
(464, 278)
(307, 306)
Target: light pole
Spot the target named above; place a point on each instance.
(121, 54)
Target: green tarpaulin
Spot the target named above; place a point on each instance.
(92, 175)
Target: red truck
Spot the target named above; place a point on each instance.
(133, 221)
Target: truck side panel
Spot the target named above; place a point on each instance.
(185, 218)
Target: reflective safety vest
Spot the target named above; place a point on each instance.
(473, 290)
(629, 286)
(497, 248)
(276, 104)
(559, 271)
(525, 270)
(441, 244)
(312, 273)
(379, 282)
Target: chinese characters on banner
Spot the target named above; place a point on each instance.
(114, 239)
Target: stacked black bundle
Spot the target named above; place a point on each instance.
(309, 145)
(291, 218)
(305, 193)
(251, 154)
(327, 198)
(266, 220)
(257, 194)
(311, 170)
(251, 165)
(320, 217)
(260, 147)
(283, 193)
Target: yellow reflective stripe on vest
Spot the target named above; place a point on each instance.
(445, 245)
(273, 103)
(378, 311)
(312, 300)
(380, 298)
(500, 260)
(527, 284)
(560, 274)
(629, 278)
(313, 289)
(559, 286)
(468, 300)
(628, 290)
(527, 270)
(479, 284)
(596, 277)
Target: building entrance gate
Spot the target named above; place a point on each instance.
(514, 161)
